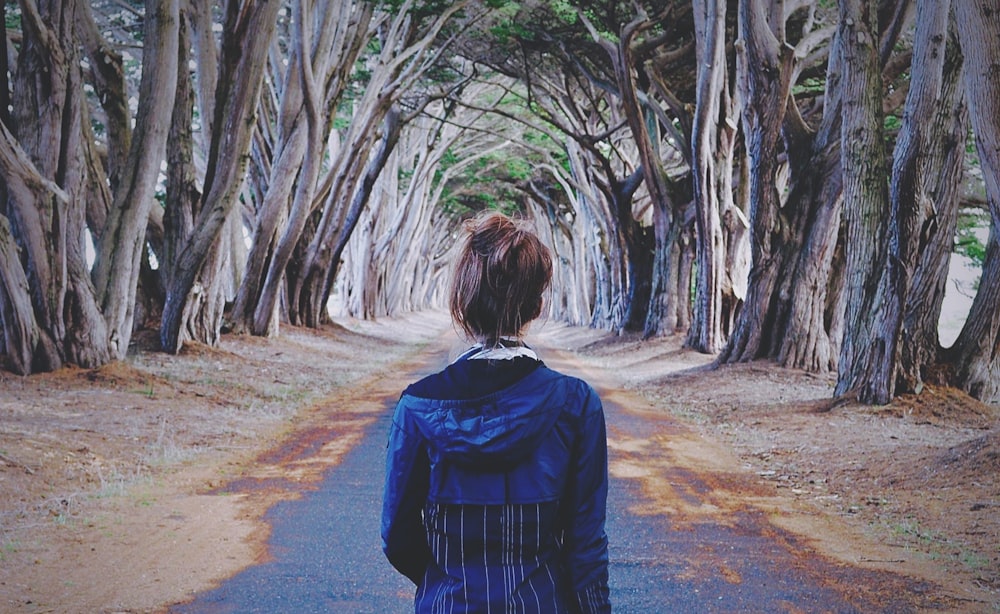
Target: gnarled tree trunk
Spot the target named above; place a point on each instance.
(713, 150)
(247, 37)
(920, 345)
(976, 352)
(865, 353)
(913, 212)
(767, 65)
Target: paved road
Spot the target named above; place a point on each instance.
(326, 556)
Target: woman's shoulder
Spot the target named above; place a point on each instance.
(575, 389)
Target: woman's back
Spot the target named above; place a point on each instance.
(496, 474)
(504, 476)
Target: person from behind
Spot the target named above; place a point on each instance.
(496, 471)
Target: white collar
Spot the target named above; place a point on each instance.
(501, 352)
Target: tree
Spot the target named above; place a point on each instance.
(639, 120)
(975, 352)
(873, 357)
(766, 61)
(399, 252)
(408, 47)
(941, 181)
(310, 88)
(125, 229)
(713, 143)
(614, 74)
(247, 34)
(864, 350)
(795, 303)
(922, 202)
(51, 172)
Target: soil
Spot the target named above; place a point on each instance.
(109, 477)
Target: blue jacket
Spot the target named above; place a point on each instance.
(499, 502)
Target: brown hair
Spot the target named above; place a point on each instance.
(501, 274)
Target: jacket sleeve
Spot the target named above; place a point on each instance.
(585, 542)
(407, 475)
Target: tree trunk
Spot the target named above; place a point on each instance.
(767, 65)
(920, 346)
(912, 211)
(116, 269)
(108, 78)
(646, 137)
(976, 353)
(406, 47)
(603, 242)
(46, 184)
(318, 281)
(20, 335)
(182, 193)
(805, 329)
(247, 37)
(866, 356)
(787, 313)
(711, 160)
(679, 301)
(313, 85)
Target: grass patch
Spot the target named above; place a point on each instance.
(937, 546)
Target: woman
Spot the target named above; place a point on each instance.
(496, 475)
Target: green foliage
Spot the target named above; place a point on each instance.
(971, 150)
(518, 169)
(810, 85)
(488, 183)
(420, 10)
(517, 24)
(509, 31)
(12, 15)
(564, 11)
(972, 224)
(891, 125)
(605, 33)
(509, 27)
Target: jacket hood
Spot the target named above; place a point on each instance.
(493, 432)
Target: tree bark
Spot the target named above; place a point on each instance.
(912, 211)
(246, 39)
(712, 151)
(976, 352)
(116, 269)
(319, 280)
(646, 137)
(49, 222)
(920, 346)
(787, 315)
(314, 84)
(406, 48)
(108, 77)
(20, 337)
(866, 355)
(767, 66)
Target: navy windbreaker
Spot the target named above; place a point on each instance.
(497, 503)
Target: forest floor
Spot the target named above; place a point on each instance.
(107, 475)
